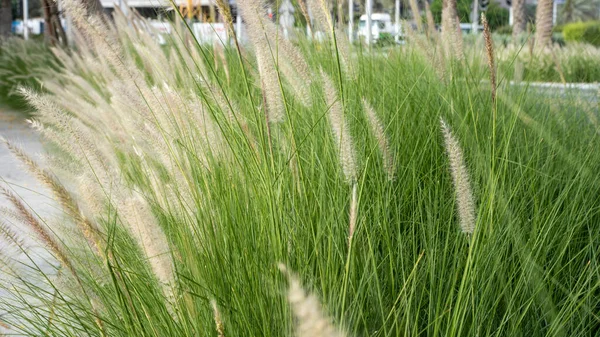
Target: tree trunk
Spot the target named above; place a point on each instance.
(520, 19)
(543, 23)
(49, 31)
(450, 6)
(60, 31)
(5, 17)
(53, 29)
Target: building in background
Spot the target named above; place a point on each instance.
(196, 10)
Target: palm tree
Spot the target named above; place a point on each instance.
(579, 10)
(543, 23)
(5, 17)
(519, 17)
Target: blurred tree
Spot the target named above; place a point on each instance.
(579, 10)
(543, 23)
(519, 18)
(496, 15)
(463, 8)
(5, 17)
(54, 32)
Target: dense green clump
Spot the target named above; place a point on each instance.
(588, 32)
(23, 63)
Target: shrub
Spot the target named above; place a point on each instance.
(496, 15)
(588, 32)
(558, 28)
(504, 30)
(578, 63)
(23, 63)
(385, 39)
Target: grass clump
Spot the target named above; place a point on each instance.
(183, 190)
(23, 63)
(578, 63)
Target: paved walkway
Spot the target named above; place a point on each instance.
(13, 175)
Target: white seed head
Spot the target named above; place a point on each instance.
(253, 12)
(150, 237)
(462, 184)
(382, 140)
(310, 319)
(340, 130)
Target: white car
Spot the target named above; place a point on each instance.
(380, 23)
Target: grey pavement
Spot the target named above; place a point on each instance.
(13, 126)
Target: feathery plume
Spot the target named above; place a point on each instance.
(40, 230)
(462, 184)
(489, 48)
(414, 8)
(310, 320)
(451, 35)
(150, 237)
(253, 14)
(435, 56)
(9, 213)
(90, 231)
(71, 135)
(11, 238)
(344, 48)
(447, 32)
(340, 130)
(292, 64)
(558, 67)
(430, 21)
(353, 212)
(382, 140)
(304, 11)
(458, 39)
(321, 14)
(226, 13)
(218, 321)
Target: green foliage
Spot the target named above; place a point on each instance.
(578, 10)
(588, 32)
(385, 39)
(558, 28)
(496, 15)
(23, 63)
(504, 30)
(579, 63)
(463, 7)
